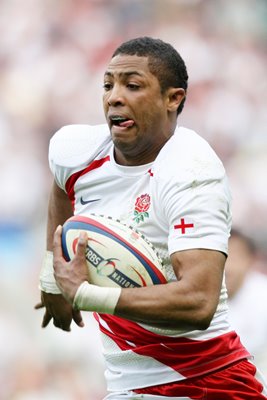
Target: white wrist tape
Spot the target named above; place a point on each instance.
(47, 282)
(95, 298)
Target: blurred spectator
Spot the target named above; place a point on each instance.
(247, 291)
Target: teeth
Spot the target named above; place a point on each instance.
(117, 118)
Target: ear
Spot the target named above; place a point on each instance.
(174, 98)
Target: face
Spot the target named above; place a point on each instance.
(136, 111)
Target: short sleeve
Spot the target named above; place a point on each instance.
(72, 147)
(193, 192)
(199, 215)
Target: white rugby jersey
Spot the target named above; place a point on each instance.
(180, 201)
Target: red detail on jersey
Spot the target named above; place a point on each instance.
(73, 178)
(142, 203)
(227, 384)
(186, 356)
(183, 226)
(150, 172)
(141, 207)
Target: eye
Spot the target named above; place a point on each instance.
(107, 86)
(133, 86)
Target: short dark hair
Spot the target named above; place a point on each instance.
(163, 61)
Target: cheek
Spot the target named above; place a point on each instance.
(153, 115)
(105, 102)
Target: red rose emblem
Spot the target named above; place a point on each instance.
(142, 203)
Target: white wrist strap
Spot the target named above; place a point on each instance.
(95, 298)
(47, 282)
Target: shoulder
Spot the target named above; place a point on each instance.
(188, 156)
(77, 143)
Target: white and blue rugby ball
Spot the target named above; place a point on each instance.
(116, 254)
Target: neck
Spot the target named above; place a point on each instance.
(138, 157)
(131, 161)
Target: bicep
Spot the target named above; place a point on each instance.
(200, 274)
(59, 209)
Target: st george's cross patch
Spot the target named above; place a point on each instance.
(185, 225)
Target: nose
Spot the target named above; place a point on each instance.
(115, 96)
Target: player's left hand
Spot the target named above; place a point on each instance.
(59, 311)
(70, 275)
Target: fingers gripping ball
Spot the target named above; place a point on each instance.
(116, 254)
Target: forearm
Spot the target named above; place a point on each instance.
(169, 304)
(190, 302)
(59, 209)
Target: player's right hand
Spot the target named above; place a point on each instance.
(58, 309)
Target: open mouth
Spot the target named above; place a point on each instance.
(122, 122)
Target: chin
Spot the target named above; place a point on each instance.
(121, 140)
(123, 146)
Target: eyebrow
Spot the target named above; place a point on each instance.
(122, 74)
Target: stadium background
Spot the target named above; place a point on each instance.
(52, 58)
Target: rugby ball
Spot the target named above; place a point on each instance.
(116, 254)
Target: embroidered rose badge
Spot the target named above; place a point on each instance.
(141, 207)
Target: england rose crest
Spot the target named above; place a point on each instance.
(141, 207)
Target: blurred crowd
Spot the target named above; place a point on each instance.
(52, 58)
